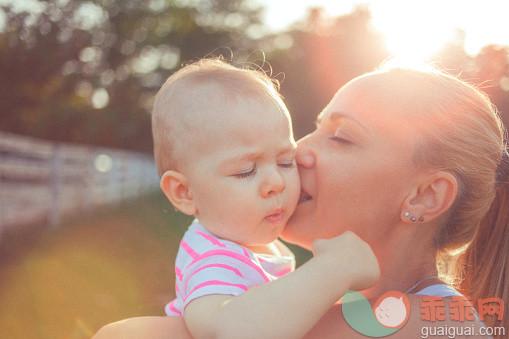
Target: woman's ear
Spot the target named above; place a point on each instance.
(431, 199)
(176, 188)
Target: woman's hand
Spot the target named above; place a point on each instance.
(352, 259)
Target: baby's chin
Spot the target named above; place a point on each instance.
(261, 241)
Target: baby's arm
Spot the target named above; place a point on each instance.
(291, 305)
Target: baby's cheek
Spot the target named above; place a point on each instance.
(294, 192)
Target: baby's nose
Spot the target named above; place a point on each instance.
(274, 185)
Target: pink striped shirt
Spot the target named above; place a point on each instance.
(206, 265)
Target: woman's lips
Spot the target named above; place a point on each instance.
(304, 196)
(276, 217)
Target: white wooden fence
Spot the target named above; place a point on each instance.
(43, 181)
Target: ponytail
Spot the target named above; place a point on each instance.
(461, 132)
(486, 259)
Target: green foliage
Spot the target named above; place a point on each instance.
(86, 71)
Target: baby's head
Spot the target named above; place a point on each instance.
(225, 152)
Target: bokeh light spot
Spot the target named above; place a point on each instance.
(100, 98)
(103, 163)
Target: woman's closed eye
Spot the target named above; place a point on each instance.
(340, 137)
(340, 140)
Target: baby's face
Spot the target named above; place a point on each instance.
(243, 177)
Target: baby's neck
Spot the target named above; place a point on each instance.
(269, 248)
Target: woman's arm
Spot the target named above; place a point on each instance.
(291, 305)
(145, 328)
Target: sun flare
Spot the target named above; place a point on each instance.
(413, 30)
(416, 30)
(414, 35)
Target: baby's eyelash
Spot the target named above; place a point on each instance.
(245, 174)
(288, 164)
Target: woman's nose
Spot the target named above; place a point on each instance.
(305, 156)
(274, 184)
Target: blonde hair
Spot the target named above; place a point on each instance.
(174, 116)
(460, 132)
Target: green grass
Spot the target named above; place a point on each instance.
(90, 271)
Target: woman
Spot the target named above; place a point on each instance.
(415, 163)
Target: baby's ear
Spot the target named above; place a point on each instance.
(176, 188)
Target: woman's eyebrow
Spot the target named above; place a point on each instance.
(334, 116)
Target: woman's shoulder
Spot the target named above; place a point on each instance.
(442, 290)
(436, 312)
(427, 315)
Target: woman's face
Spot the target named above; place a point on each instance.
(355, 168)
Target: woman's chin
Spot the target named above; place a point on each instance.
(296, 235)
(299, 228)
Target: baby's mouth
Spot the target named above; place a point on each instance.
(304, 196)
(276, 217)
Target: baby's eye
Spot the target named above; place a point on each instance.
(245, 174)
(287, 164)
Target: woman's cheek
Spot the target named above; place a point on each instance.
(295, 185)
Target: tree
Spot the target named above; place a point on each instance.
(325, 54)
(86, 71)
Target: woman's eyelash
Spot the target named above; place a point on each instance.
(339, 139)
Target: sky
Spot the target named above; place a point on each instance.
(431, 21)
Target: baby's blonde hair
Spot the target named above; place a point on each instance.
(460, 131)
(174, 118)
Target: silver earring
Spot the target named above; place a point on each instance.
(413, 219)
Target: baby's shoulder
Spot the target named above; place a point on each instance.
(198, 242)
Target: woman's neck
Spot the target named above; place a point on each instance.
(403, 263)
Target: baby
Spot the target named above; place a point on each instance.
(225, 152)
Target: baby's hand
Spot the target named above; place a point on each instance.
(350, 260)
